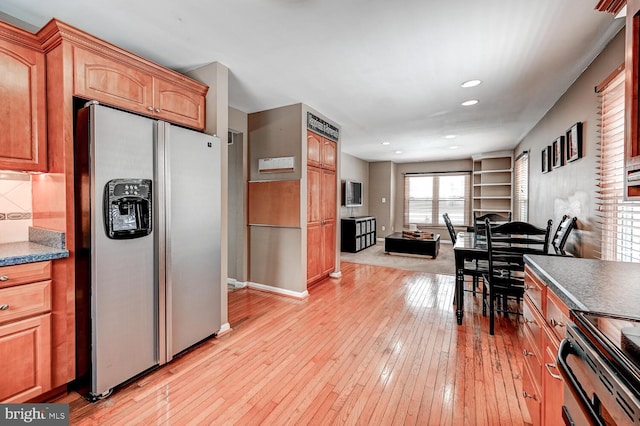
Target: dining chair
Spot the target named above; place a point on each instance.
(495, 218)
(560, 237)
(474, 268)
(504, 281)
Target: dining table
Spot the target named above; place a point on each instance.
(469, 246)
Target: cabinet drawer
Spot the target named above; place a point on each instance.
(24, 301)
(536, 290)
(533, 324)
(25, 273)
(532, 397)
(557, 315)
(532, 357)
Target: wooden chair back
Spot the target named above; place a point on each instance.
(567, 224)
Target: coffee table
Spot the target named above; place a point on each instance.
(396, 243)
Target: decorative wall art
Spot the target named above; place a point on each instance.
(573, 145)
(546, 159)
(557, 153)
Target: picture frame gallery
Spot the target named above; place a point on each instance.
(565, 149)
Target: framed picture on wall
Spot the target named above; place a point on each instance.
(557, 152)
(546, 159)
(573, 145)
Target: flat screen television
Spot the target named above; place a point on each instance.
(352, 193)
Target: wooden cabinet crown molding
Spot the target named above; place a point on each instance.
(19, 36)
(56, 32)
(611, 6)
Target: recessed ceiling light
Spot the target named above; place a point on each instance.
(450, 137)
(386, 143)
(471, 83)
(470, 102)
(398, 152)
(454, 147)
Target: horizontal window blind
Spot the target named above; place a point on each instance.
(428, 196)
(521, 190)
(619, 220)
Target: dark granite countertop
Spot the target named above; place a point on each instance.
(591, 284)
(43, 244)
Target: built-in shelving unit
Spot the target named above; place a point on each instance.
(493, 183)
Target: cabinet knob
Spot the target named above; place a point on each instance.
(555, 323)
(157, 109)
(150, 108)
(527, 353)
(528, 395)
(4, 307)
(4, 278)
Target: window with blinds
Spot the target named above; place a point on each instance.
(619, 220)
(521, 188)
(428, 196)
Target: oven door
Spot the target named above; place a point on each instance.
(577, 409)
(594, 393)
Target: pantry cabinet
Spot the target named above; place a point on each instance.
(25, 331)
(23, 107)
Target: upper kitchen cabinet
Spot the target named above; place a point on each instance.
(632, 107)
(23, 107)
(113, 76)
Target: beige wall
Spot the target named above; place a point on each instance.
(352, 168)
(381, 186)
(572, 188)
(238, 239)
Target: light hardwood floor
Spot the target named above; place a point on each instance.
(380, 346)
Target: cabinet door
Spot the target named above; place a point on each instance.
(25, 350)
(99, 78)
(531, 397)
(553, 388)
(314, 148)
(22, 109)
(314, 252)
(177, 105)
(314, 195)
(328, 246)
(328, 193)
(329, 155)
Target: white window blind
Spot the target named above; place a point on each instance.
(521, 190)
(619, 220)
(428, 196)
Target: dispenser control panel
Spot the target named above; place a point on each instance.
(127, 208)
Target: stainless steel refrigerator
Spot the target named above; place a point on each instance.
(148, 209)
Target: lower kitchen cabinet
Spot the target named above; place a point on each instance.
(25, 350)
(545, 318)
(25, 331)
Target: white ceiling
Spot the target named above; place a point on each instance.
(386, 71)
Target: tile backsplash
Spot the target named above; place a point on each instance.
(15, 207)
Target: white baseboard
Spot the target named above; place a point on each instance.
(278, 290)
(224, 329)
(336, 274)
(236, 283)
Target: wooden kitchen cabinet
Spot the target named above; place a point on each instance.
(545, 318)
(321, 152)
(632, 100)
(321, 222)
(98, 77)
(25, 331)
(23, 107)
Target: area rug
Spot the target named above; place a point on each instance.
(375, 255)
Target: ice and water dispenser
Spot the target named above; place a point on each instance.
(127, 208)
